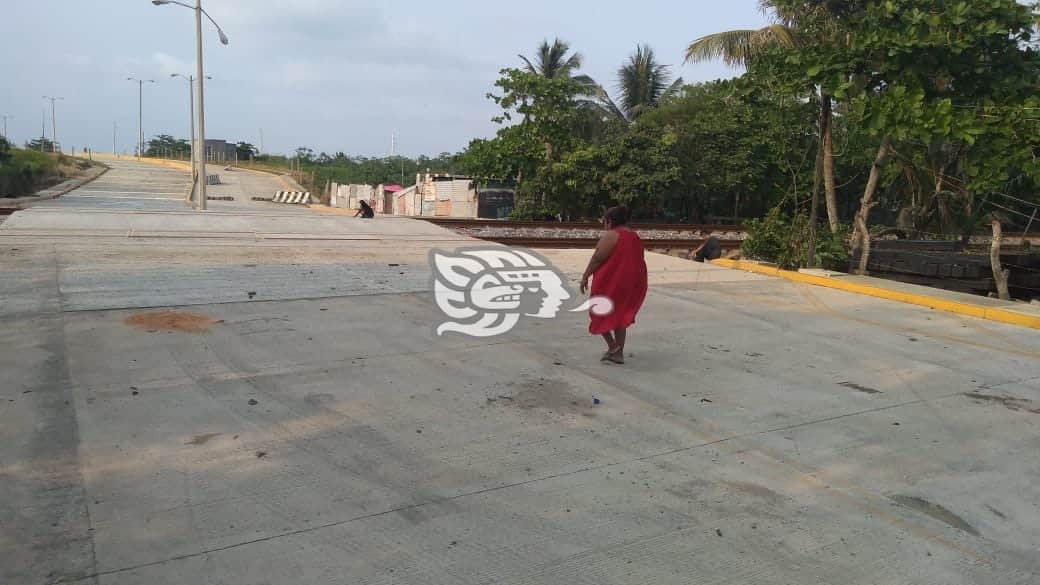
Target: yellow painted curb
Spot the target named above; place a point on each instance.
(990, 314)
(161, 162)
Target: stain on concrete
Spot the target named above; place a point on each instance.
(935, 511)
(997, 513)
(863, 389)
(753, 489)
(202, 439)
(1010, 402)
(549, 396)
(170, 321)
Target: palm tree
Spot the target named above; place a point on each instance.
(643, 84)
(553, 62)
(792, 29)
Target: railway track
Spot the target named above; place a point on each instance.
(458, 222)
(551, 234)
(588, 243)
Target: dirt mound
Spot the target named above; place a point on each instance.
(171, 321)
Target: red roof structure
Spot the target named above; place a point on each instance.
(393, 188)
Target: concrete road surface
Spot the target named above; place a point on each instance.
(257, 396)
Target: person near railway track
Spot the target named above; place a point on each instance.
(711, 249)
(365, 210)
(618, 272)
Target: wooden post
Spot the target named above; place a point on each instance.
(999, 274)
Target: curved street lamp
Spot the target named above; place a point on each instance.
(199, 177)
(140, 112)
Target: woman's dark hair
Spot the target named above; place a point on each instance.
(364, 204)
(618, 215)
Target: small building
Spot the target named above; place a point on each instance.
(431, 196)
(220, 151)
(459, 196)
(389, 195)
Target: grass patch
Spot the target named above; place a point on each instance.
(24, 172)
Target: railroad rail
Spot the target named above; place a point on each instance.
(555, 234)
(460, 222)
(684, 244)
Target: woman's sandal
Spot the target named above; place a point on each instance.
(617, 356)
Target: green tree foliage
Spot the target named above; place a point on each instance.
(41, 144)
(784, 239)
(798, 24)
(742, 148)
(948, 89)
(639, 168)
(344, 169)
(165, 145)
(246, 150)
(545, 113)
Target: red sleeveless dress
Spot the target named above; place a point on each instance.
(622, 279)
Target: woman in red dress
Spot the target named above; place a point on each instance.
(618, 271)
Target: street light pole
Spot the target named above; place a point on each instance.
(200, 77)
(140, 112)
(191, 122)
(54, 125)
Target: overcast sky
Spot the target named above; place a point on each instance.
(334, 75)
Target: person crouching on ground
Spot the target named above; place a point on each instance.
(365, 210)
(709, 250)
(618, 272)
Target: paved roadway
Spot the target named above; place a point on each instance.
(131, 185)
(292, 418)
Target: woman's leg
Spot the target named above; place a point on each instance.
(609, 338)
(619, 341)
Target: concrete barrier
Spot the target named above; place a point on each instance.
(292, 197)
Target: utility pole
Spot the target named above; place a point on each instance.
(43, 128)
(5, 117)
(140, 112)
(54, 123)
(261, 141)
(202, 178)
(191, 122)
(114, 128)
(393, 152)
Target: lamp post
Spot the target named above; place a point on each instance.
(140, 112)
(200, 176)
(54, 125)
(191, 120)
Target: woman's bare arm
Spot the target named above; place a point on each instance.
(603, 249)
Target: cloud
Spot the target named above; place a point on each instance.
(168, 65)
(309, 20)
(76, 60)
